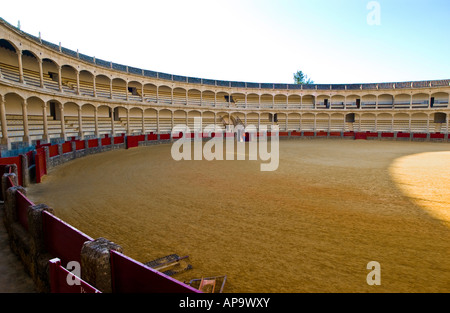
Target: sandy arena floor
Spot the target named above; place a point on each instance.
(312, 226)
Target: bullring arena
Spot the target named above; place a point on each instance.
(362, 177)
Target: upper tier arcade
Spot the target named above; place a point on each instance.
(50, 92)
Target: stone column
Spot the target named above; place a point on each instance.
(78, 83)
(5, 140)
(63, 124)
(26, 134)
(45, 136)
(96, 265)
(60, 78)
(41, 73)
(19, 60)
(80, 124)
(97, 134)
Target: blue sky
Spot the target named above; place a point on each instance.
(252, 40)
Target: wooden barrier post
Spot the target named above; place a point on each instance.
(39, 255)
(95, 263)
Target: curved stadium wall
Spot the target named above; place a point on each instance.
(50, 93)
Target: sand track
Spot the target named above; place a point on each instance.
(312, 226)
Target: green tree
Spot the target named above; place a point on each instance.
(302, 79)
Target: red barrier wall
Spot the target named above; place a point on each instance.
(41, 165)
(321, 134)
(423, 136)
(61, 239)
(58, 280)
(437, 136)
(296, 134)
(132, 142)
(67, 147)
(53, 151)
(335, 134)
(403, 135)
(387, 135)
(79, 145)
(129, 276)
(17, 161)
(106, 141)
(119, 139)
(152, 137)
(360, 136)
(308, 134)
(164, 137)
(92, 143)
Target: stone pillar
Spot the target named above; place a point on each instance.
(60, 78)
(78, 83)
(96, 122)
(41, 73)
(45, 136)
(80, 124)
(39, 256)
(95, 263)
(5, 140)
(19, 60)
(63, 124)
(26, 133)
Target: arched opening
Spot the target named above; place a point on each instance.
(337, 102)
(280, 101)
(119, 89)
(322, 122)
(51, 74)
(294, 120)
(71, 119)
(307, 122)
(208, 98)
(368, 122)
(165, 95)
(385, 101)
(103, 86)
(337, 122)
(402, 101)
(86, 83)
(420, 101)
(31, 71)
(294, 102)
(237, 100)
(69, 79)
(9, 63)
(308, 102)
(368, 102)
(323, 102)
(150, 120)
(353, 102)
(150, 94)
(134, 91)
(266, 101)
(252, 101)
(401, 122)
(419, 122)
(194, 97)
(165, 121)
(439, 100)
(222, 99)
(88, 120)
(384, 122)
(179, 96)
(135, 120)
(104, 120)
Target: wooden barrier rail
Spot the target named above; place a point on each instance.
(61, 239)
(129, 276)
(59, 277)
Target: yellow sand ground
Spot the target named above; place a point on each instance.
(312, 226)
